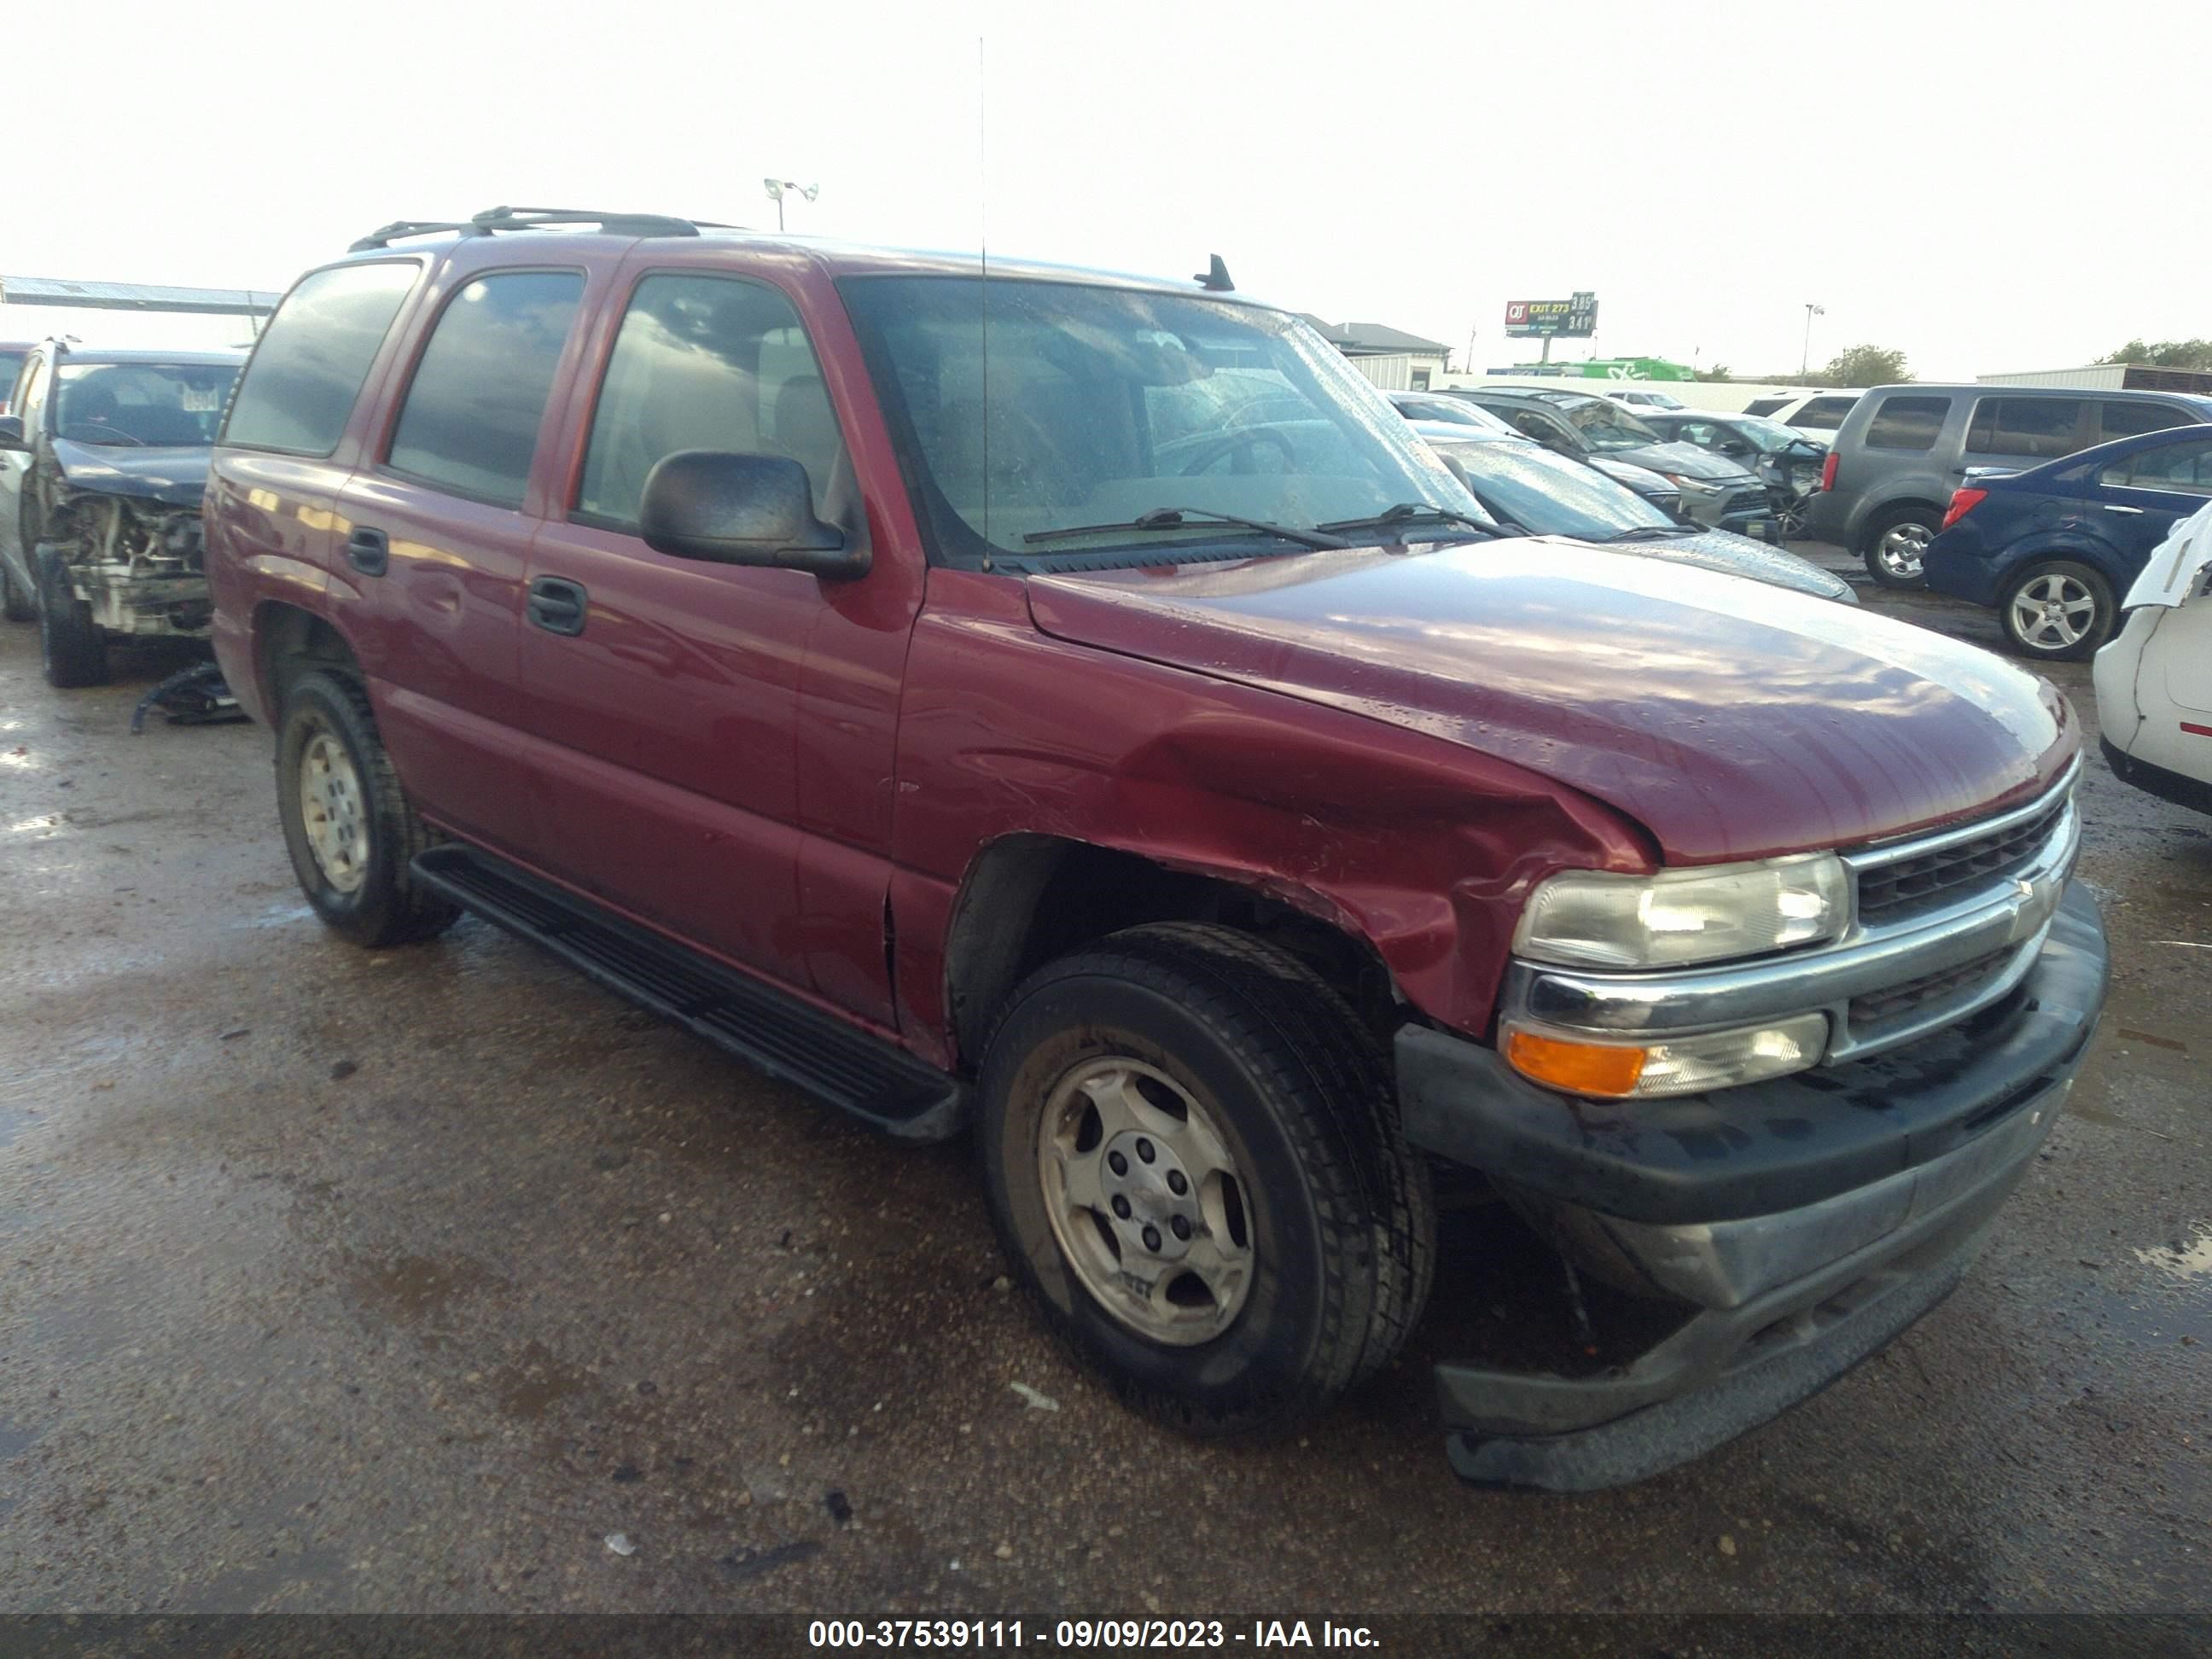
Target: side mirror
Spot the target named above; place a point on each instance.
(11, 434)
(1458, 469)
(742, 509)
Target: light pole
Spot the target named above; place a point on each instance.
(1805, 362)
(775, 187)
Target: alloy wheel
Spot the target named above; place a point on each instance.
(2052, 612)
(334, 813)
(1145, 1200)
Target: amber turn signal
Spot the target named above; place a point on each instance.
(1581, 1068)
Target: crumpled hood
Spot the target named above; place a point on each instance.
(1739, 556)
(1731, 719)
(1684, 460)
(174, 476)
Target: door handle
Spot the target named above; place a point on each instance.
(2114, 506)
(368, 551)
(558, 605)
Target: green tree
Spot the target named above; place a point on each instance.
(2164, 354)
(1717, 372)
(1866, 365)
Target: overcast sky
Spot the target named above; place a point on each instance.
(1987, 188)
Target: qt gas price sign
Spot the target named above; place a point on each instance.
(1575, 318)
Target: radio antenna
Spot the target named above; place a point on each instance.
(983, 279)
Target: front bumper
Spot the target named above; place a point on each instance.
(1800, 1223)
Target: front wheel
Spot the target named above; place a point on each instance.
(1894, 545)
(1196, 1171)
(71, 648)
(349, 826)
(2058, 610)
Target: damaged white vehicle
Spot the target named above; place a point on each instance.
(103, 459)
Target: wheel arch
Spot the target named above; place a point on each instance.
(1029, 898)
(288, 640)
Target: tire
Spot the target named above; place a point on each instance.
(1893, 544)
(354, 862)
(2056, 610)
(1334, 1214)
(71, 648)
(17, 604)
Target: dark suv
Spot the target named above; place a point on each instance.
(1093, 721)
(100, 500)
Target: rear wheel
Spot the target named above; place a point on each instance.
(1195, 1170)
(351, 831)
(72, 647)
(2059, 611)
(1894, 544)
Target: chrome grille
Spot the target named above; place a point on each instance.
(1877, 1008)
(1891, 890)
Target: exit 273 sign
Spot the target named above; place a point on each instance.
(1575, 318)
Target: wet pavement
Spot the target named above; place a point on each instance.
(333, 1281)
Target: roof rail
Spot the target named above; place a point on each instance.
(529, 218)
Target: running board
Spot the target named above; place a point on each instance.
(792, 1041)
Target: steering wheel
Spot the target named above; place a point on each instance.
(101, 433)
(1236, 442)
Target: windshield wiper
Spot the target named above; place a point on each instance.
(1169, 518)
(1407, 513)
(1647, 532)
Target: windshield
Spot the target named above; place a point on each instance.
(1102, 406)
(1768, 435)
(1548, 495)
(172, 405)
(1604, 426)
(11, 365)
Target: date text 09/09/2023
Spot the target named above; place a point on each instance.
(1084, 1635)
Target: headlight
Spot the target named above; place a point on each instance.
(1678, 1066)
(1589, 919)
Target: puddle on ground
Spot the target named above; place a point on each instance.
(416, 1289)
(535, 1383)
(2183, 1262)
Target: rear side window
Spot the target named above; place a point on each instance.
(309, 368)
(473, 410)
(2031, 429)
(1907, 421)
(704, 362)
(2183, 467)
(2116, 419)
(1764, 405)
(1821, 414)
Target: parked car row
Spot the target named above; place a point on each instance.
(1903, 452)
(1531, 491)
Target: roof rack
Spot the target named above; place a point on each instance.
(529, 218)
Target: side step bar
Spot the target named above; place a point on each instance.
(790, 1040)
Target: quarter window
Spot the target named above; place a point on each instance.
(1764, 405)
(2031, 429)
(704, 362)
(1821, 414)
(2132, 419)
(473, 412)
(301, 384)
(2183, 467)
(1907, 421)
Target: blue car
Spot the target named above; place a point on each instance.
(2051, 550)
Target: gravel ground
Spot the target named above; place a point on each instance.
(439, 1280)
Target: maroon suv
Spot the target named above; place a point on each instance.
(1076, 707)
